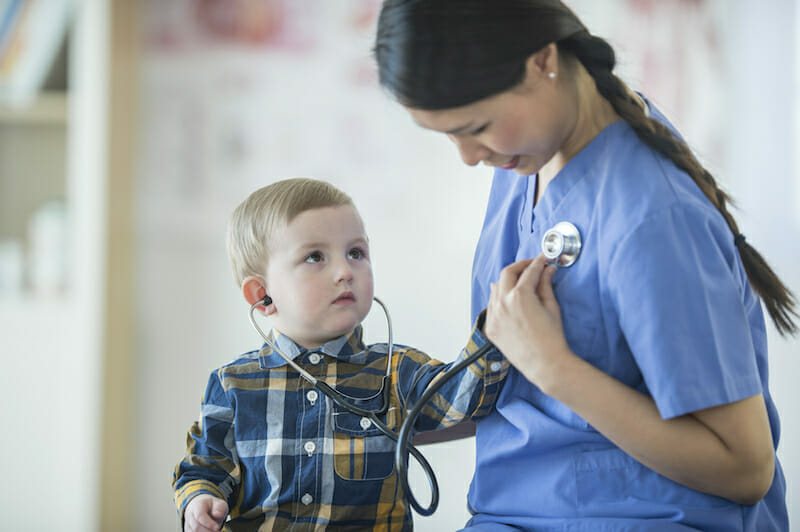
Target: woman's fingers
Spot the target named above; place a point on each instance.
(545, 288)
(532, 274)
(509, 276)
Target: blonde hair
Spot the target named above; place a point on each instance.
(255, 220)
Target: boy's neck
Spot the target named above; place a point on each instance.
(308, 345)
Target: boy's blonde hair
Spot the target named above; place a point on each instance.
(255, 220)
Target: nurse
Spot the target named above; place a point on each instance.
(640, 398)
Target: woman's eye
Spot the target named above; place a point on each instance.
(479, 130)
(356, 253)
(314, 257)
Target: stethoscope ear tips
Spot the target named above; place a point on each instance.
(266, 301)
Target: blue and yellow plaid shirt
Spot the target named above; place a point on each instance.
(286, 457)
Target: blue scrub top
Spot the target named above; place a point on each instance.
(659, 300)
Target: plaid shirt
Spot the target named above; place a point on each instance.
(286, 457)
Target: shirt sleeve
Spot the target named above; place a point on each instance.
(677, 284)
(210, 464)
(471, 394)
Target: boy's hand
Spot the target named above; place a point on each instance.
(205, 513)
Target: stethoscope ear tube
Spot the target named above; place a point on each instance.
(402, 448)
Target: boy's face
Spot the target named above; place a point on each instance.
(319, 275)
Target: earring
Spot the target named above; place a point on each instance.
(551, 75)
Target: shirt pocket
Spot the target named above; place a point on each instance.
(610, 477)
(581, 332)
(360, 449)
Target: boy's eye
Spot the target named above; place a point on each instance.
(314, 257)
(356, 253)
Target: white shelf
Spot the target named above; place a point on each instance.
(51, 348)
(49, 108)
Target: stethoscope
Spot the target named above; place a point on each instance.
(561, 246)
(347, 402)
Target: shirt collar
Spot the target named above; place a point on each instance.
(349, 347)
(584, 162)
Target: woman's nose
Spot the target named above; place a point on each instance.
(472, 152)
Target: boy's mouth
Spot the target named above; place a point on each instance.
(345, 297)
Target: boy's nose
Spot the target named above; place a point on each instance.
(344, 272)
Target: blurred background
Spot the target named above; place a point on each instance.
(129, 130)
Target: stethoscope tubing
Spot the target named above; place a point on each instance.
(341, 400)
(403, 447)
(336, 397)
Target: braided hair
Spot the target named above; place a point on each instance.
(440, 54)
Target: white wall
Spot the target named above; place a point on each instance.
(220, 120)
(764, 165)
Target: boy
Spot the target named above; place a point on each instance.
(269, 451)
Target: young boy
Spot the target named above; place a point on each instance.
(269, 451)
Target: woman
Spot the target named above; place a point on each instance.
(640, 397)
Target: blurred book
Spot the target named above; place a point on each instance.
(32, 33)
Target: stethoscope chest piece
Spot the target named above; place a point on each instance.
(561, 244)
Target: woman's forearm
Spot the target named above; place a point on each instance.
(725, 451)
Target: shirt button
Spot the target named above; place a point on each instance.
(496, 366)
(365, 423)
(307, 499)
(314, 358)
(310, 447)
(312, 396)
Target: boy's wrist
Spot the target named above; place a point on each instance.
(193, 489)
(494, 365)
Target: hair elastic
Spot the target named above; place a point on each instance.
(738, 239)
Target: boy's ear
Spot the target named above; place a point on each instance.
(254, 290)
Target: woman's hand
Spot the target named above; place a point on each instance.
(523, 320)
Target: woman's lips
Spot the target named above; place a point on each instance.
(510, 165)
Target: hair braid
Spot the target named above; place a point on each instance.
(598, 58)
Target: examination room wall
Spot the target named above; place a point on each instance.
(232, 101)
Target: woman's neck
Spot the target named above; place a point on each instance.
(593, 114)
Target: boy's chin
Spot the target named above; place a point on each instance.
(340, 327)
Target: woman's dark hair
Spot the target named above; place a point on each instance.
(440, 54)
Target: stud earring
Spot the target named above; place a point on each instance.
(551, 75)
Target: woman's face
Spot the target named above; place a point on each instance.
(521, 129)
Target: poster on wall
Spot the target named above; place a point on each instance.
(240, 92)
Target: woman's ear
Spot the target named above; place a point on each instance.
(254, 290)
(543, 64)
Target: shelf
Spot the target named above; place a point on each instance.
(49, 108)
